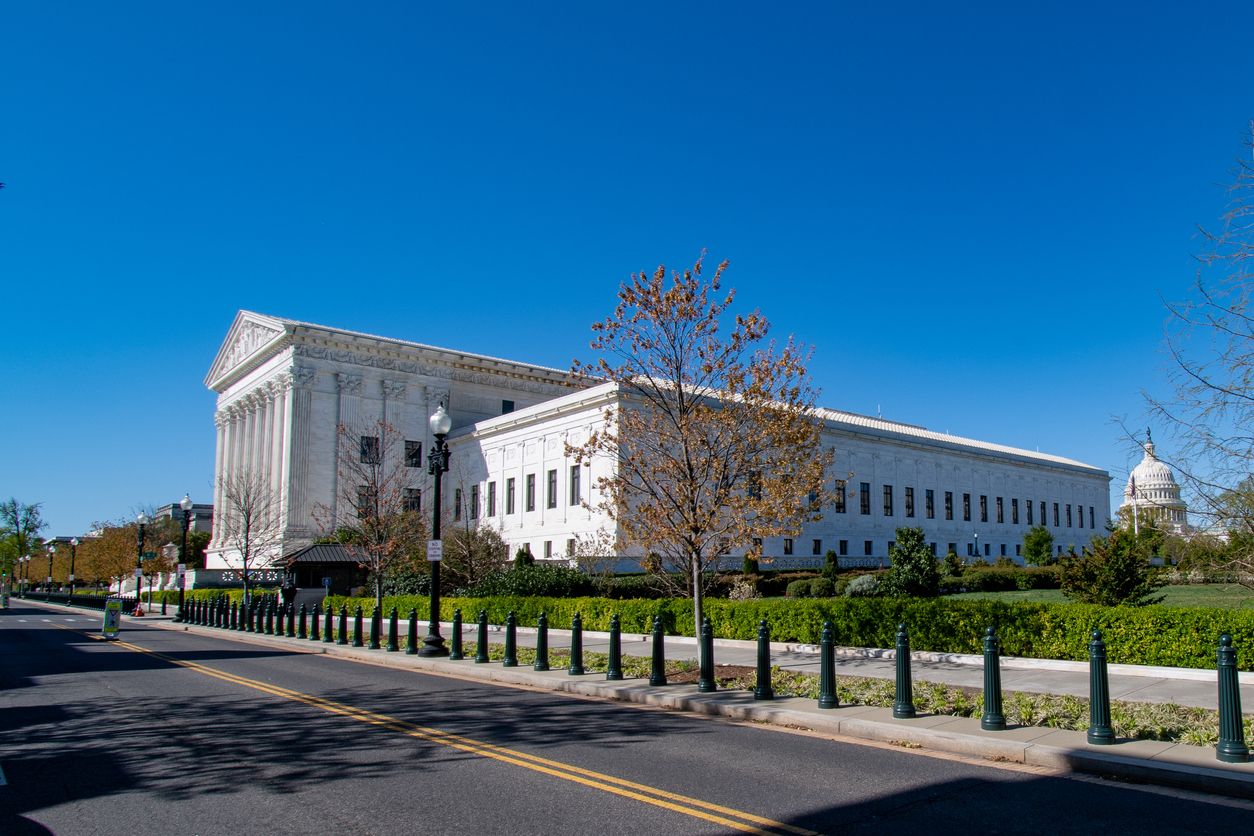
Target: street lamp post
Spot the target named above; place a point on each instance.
(437, 466)
(977, 547)
(73, 549)
(142, 519)
(24, 559)
(52, 550)
(186, 504)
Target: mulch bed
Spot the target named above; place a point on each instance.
(722, 673)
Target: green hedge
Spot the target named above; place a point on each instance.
(1184, 637)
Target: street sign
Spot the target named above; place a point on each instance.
(182, 568)
(71, 577)
(435, 550)
(138, 572)
(326, 582)
(112, 619)
(148, 555)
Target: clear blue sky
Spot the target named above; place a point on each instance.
(969, 212)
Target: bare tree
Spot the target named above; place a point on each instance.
(597, 555)
(249, 521)
(714, 438)
(378, 481)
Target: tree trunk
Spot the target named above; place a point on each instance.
(378, 590)
(696, 601)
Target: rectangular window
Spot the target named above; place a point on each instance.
(509, 495)
(1028, 505)
(413, 499)
(813, 500)
(953, 547)
(570, 547)
(1043, 514)
(1091, 517)
(844, 547)
(370, 449)
(983, 508)
(929, 503)
(755, 486)
(1003, 549)
(1079, 516)
(1068, 516)
(413, 454)
(999, 508)
(366, 497)
(1055, 515)
(970, 550)
(474, 502)
(888, 500)
(457, 503)
(949, 505)
(507, 407)
(932, 549)
(529, 497)
(864, 497)
(986, 549)
(866, 548)
(909, 502)
(550, 498)
(757, 545)
(838, 504)
(574, 484)
(1014, 511)
(787, 545)
(890, 546)
(1018, 549)
(548, 549)
(818, 547)
(966, 507)
(492, 499)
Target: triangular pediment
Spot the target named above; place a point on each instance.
(251, 337)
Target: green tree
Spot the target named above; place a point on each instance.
(953, 563)
(19, 533)
(1114, 572)
(1038, 546)
(915, 572)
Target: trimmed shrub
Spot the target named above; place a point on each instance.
(750, 565)
(555, 581)
(822, 588)
(799, 589)
(863, 586)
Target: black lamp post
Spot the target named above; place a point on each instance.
(52, 550)
(437, 466)
(142, 519)
(186, 505)
(24, 559)
(73, 549)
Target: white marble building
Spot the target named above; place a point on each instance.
(1152, 493)
(283, 387)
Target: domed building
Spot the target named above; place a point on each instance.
(1152, 493)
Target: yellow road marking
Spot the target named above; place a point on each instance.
(608, 783)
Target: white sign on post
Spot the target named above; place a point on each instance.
(138, 572)
(435, 550)
(182, 568)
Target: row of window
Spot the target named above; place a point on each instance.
(548, 548)
(868, 546)
(929, 506)
(529, 495)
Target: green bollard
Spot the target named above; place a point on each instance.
(280, 614)
(1100, 733)
(270, 619)
(762, 689)
(313, 622)
(1231, 747)
(511, 641)
(302, 624)
(328, 626)
(376, 627)
(455, 638)
(342, 636)
(993, 719)
(708, 684)
(291, 621)
(411, 641)
(357, 628)
(903, 703)
(657, 671)
(394, 644)
(233, 622)
(542, 643)
(614, 670)
(481, 643)
(576, 646)
(827, 667)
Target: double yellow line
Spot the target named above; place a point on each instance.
(714, 813)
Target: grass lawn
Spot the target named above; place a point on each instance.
(1228, 596)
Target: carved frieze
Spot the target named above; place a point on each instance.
(395, 390)
(351, 384)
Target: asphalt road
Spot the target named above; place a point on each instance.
(173, 733)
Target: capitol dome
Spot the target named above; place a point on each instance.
(1152, 492)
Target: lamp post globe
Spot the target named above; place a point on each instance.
(977, 546)
(186, 504)
(437, 466)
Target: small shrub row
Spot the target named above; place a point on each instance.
(1002, 580)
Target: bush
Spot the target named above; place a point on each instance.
(523, 558)
(863, 586)
(1004, 580)
(953, 564)
(1115, 572)
(772, 584)
(914, 572)
(743, 591)
(799, 589)
(1038, 546)
(822, 588)
(750, 565)
(552, 581)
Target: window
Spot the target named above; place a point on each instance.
(787, 545)
(570, 547)
(507, 407)
(909, 502)
(1055, 515)
(530, 495)
(929, 504)
(844, 547)
(1028, 505)
(550, 497)
(457, 503)
(755, 486)
(757, 545)
(818, 547)
(1003, 549)
(986, 549)
(1068, 516)
(574, 484)
(983, 508)
(509, 495)
(813, 500)
(1018, 549)
(890, 546)
(999, 506)
(1091, 513)
(1043, 514)
(413, 499)
(370, 449)
(966, 507)
(953, 547)
(888, 500)
(839, 505)
(367, 499)
(1014, 511)
(970, 550)
(932, 548)
(548, 549)
(864, 497)
(949, 505)
(413, 454)
(866, 547)
(492, 499)
(1079, 514)
(474, 502)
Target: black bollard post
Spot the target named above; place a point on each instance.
(411, 640)
(394, 644)
(376, 627)
(302, 624)
(342, 636)
(993, 719)
(1100, 731)
(762, 689)
(708, 684)
(481, 639)
(455, 638)
(576, 646)
(1231, 747)
(614, 670)
(903, 703)
(511, 641)
(657, 671)
(237, 615)
(291, 621)
(280, 612)
(328, 626)
(827, 667)
(358, 640)
(542, 643)
(270, 619)
(313, 622)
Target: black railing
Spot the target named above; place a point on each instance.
(93, 602)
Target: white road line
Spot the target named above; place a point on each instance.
(22, 620)
(46, 620)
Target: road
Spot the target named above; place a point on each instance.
(168, 732)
